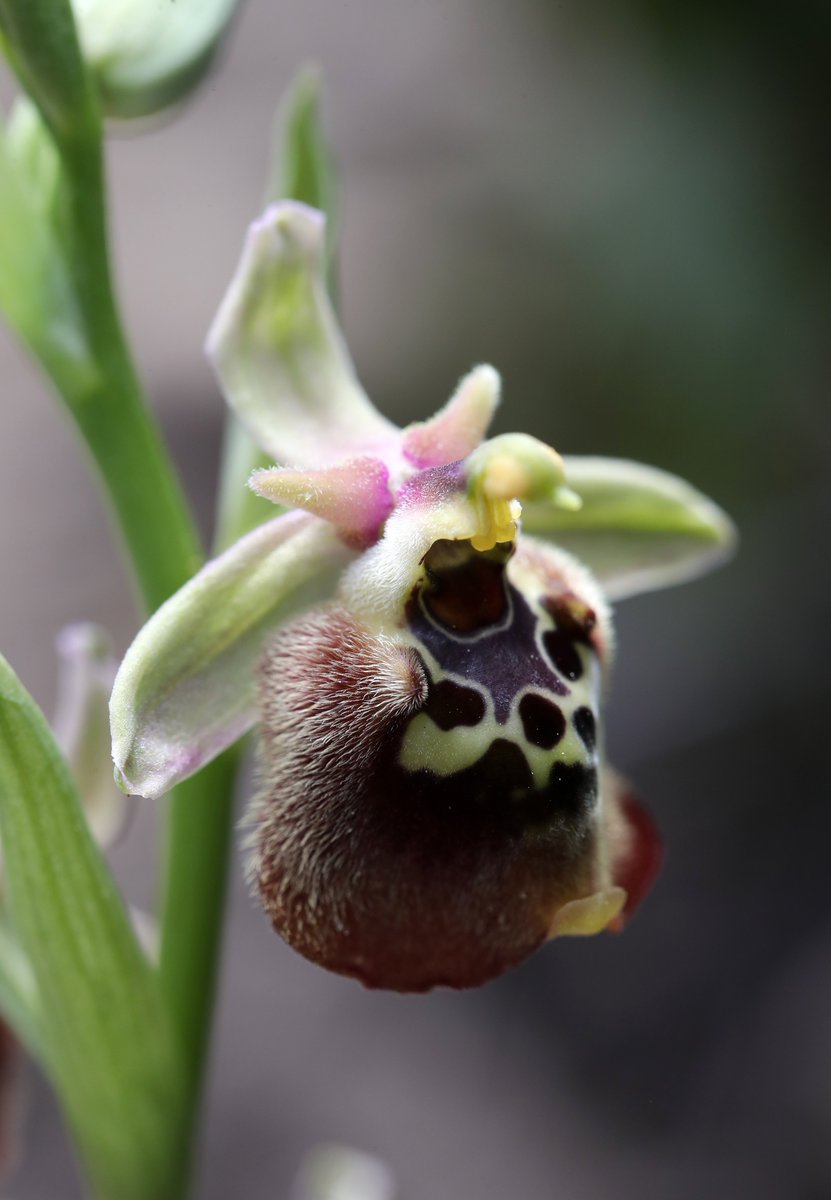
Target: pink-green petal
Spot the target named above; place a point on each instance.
(354, 496)
(460, 426)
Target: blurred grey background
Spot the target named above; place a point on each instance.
(622, 205)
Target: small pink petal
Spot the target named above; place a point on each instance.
(459, 427)
(354, 496)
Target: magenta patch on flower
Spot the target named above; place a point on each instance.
(354, 496)
(427, 675)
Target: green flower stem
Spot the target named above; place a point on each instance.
(164, 551)
(194, 904)
(101, 390)
(108, 405)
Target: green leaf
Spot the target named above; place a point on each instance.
(186, 688)
(147, 54)
(639, 528)
(106, 1039)
(301, 166)
(19, 998)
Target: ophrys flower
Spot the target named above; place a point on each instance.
(434, 799)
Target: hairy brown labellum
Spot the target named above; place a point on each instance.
(431, 809)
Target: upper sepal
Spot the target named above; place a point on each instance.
(638, 528)
(185, 689)
(280, 357)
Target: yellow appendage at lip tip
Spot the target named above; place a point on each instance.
(588, 915)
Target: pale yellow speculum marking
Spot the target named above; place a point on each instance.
(446, 751)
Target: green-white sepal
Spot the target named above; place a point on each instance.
(300, 169)
(148, 54)
(638, 528)
(186, 688)
(281, 359)
(99, 1025)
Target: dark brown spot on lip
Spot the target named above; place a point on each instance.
(505, 659)
(542, 721)
(560, 648)
(496, 795)
(573, 787)
(465, 589)
(571, 615)
(450, 705)
(584, 723)
(502, 773)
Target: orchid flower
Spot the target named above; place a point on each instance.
(423, 651)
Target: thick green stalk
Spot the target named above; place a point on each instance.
(100, 388)
(194, 906)
(109, 407)
(164, 552)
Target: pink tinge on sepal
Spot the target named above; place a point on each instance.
(459, 427)
(354, 496)
(638, 862)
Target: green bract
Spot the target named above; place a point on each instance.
(144, 55)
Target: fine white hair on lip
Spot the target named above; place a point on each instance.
(448, 863)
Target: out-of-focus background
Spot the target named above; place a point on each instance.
(624, 206)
